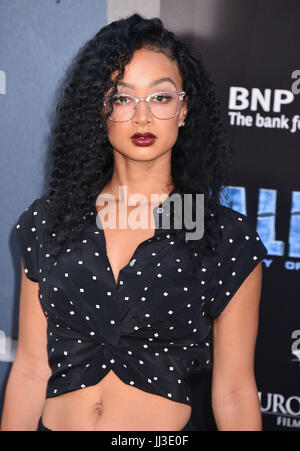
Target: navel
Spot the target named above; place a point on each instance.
(99, 408)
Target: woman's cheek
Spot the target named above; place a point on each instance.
(168, 139)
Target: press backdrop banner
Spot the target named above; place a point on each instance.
(251, 51)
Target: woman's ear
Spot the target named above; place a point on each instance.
(185, 103)
(184, 110)
(184, 107)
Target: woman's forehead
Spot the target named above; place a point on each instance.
(142, 72)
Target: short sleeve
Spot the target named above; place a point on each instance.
(27, 234)
(241, 250)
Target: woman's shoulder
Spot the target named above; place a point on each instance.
(33, 214)
(238, 232)
(235, 223)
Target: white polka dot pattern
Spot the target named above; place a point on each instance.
(152, 327)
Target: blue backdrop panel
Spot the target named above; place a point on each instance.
(38, 41)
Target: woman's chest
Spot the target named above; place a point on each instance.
(120, 246)
(115, 285)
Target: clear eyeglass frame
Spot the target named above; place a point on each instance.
(180, 94)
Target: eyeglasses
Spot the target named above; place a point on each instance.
(162, 104)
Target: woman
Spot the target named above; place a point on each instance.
(126, 314)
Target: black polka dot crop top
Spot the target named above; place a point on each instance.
(153, 327)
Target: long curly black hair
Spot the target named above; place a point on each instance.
(83, 157)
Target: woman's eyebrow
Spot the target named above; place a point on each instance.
(153, 83)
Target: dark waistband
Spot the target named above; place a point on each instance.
(41, 427)
(188, 427)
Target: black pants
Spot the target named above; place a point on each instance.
(188, 427)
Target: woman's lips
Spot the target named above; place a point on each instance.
(142, 142)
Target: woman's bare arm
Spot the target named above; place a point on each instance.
(26, 386)
(235, 399)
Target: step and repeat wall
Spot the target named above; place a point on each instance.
(250, 49)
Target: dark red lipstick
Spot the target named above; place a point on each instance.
(143, 139)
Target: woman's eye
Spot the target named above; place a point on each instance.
(121, 99)
(161, 98)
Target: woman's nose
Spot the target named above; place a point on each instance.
(142, 111)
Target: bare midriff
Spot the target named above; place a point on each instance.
(111, 404)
